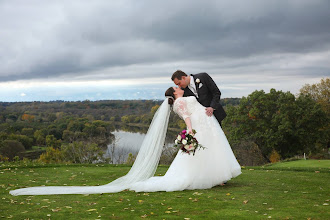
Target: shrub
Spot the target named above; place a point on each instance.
(130, 159)
(274, 156)
(11, 148)
(3, 158)
(52, 155)
(80, 152)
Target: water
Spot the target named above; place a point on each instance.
(130, 140)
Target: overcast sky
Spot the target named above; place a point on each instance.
(128, 49)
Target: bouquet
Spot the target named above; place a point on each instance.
(187, 142)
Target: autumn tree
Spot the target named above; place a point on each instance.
(277, 121)
(27, 117)
(320, 92)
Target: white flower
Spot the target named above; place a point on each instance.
(179, 138)
(189, 147)
(198, 80)
(176, 141)
(184, 142)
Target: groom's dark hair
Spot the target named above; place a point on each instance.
(178, 75)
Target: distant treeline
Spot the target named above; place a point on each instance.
(100, 110)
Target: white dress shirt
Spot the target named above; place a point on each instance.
(192, 86)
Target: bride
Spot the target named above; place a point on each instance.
(212, 166)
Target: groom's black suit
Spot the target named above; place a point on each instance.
(208, 94)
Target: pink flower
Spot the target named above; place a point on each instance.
(183, 136)
(184, 131)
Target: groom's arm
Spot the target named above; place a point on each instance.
(214, 91)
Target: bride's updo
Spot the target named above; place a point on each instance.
(170, 95)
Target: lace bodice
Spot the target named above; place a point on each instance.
(185, 106)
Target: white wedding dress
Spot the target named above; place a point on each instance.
(212, 166)
(209, 167)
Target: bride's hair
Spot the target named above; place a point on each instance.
(170, 94)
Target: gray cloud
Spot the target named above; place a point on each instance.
(78, 39)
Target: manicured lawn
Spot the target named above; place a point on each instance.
(288, 190)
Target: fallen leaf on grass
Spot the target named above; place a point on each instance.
(68, 207)
(90, 210)
(144, 216)
(140, 201)
(228, 194)
(167, 212)
(325, 203)
(245, 201)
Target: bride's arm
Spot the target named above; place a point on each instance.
(180, 108)
(188, 123)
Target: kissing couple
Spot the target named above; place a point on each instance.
(196, 99)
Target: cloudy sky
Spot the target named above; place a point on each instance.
(127, 49)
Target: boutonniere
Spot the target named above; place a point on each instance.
(198, 81)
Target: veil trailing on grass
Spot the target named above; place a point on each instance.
(143, 168)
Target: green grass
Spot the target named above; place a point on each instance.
(303, 164)
(36, 148)
(273, 191)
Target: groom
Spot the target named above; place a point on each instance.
(205, 90)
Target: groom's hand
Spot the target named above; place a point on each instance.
(209, 111)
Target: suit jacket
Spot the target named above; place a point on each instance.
(208, 94)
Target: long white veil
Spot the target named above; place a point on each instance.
(143, 168)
